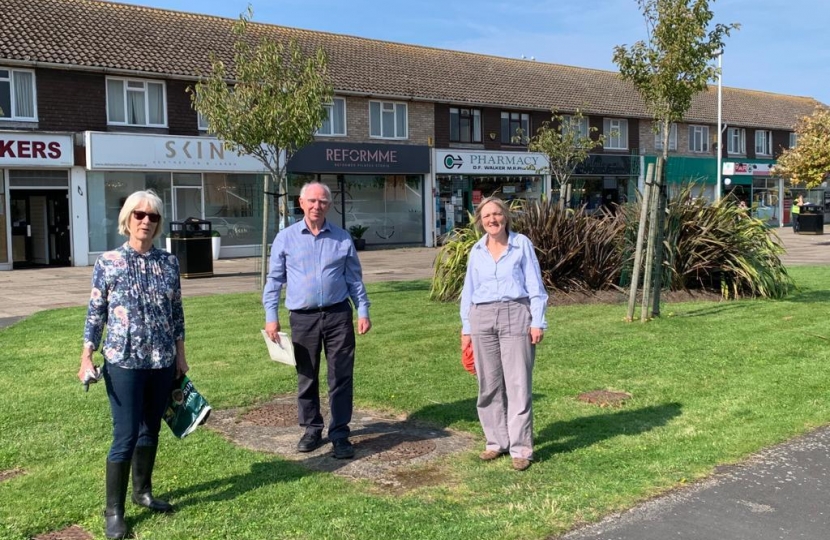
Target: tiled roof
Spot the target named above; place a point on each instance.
(99, 35)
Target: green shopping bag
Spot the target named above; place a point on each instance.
(187, 409)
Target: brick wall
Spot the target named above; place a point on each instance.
(647, 141)
(181, 118)
(70, 100)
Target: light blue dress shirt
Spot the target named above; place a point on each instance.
(514, 276)
(318, 271)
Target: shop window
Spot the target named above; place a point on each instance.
(658, 137)
(511, 124)
(387, 120)
(763, 142)
(17, 95)
(465, 125)
(698, 139)
(616, 134)
(133, 102)
(736, 141)
(335, 122)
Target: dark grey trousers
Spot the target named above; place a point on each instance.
(331, 331)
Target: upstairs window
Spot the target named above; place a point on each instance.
(658, 137)
(335, 122)
(581, 127)
(736, 141)
(699, 139)
(203, 123)
(387, 120)
(133, 102)
(616, 133)
(511, 122)
(17, 95)
(465, 125)
(763, 142)
(793, 139)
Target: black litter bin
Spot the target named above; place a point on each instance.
(190, 243)
(811, 219)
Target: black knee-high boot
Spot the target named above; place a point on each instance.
(118, 475)
(144, 459)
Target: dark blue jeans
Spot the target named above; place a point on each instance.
(138, 399)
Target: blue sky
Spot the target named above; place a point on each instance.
(782, 46)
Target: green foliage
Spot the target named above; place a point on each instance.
(714, 247)
(451, 263)
(275, 100)
(565, 147)
(577, 250)
(721, 247)
(808, 162)
(215, 233)
(357, 231)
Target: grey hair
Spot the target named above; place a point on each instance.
(508, 219)
(133, 201)
(311, 184)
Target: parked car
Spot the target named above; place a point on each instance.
(231, 229)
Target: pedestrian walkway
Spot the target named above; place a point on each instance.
(24, 292)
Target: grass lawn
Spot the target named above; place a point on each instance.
(711, 383)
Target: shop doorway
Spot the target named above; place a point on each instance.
(40, 228)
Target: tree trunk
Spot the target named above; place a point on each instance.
(563, 194)
(648, 263)
(660, 225)
(638, 250)
(266, 206)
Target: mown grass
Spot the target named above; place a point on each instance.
(711, 382)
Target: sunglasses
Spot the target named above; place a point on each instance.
(139, 215)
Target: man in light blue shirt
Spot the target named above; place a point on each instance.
(317, 263)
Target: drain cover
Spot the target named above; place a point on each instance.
(394, 446)
(70, 533)
(604, 398)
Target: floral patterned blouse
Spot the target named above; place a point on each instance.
(138, 297)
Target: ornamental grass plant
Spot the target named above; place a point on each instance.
(711, 383)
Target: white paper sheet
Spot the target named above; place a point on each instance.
(281, 352)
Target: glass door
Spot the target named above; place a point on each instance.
(187, 196)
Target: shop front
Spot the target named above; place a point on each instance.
(464, 177)
(35, 212)
(379, 187)
(769, 197)
(194, 176)
(603, 181)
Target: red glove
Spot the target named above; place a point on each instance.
(467, 359)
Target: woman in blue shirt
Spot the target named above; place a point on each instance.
(136, 295)
(503, 306)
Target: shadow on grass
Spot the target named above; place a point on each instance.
(447, 414)
(563, 437)
(809, 296)
(228, 488)
(385, 287)
(717, 309)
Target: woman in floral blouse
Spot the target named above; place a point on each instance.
(136, 295)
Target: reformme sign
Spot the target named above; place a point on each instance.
(125, 151)
(357, 158)
(26, 149)
(489, 163)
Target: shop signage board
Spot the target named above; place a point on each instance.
(360, 158)
(754, 169)
(490, 163)
(123, 151)
(26, 149)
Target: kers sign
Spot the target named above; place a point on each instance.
(29, 149)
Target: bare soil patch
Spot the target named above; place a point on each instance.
(74, 532)
(10, 473)
(394, 453)
(605, 398)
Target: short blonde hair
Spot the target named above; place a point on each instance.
(508, 218)
(154, 202)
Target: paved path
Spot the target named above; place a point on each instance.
(23, 292)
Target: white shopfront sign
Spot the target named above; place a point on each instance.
(490, 163)
(27, 149)
(754, 169)
(121, 151)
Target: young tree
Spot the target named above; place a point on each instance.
(566, 145)
(268, 105)
(667, 70)
(808, 162)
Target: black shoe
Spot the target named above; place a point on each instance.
(309, 442)
(343, 449)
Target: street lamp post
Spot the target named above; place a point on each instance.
(718, 187)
